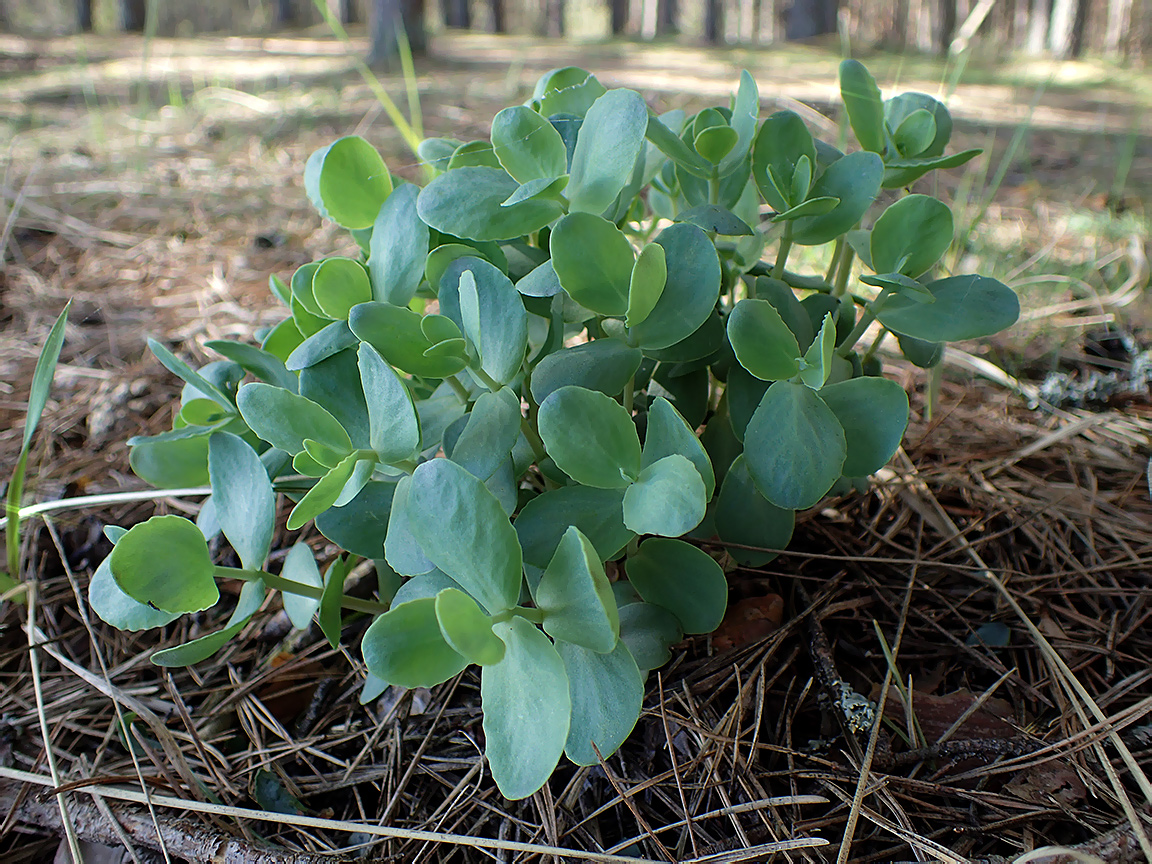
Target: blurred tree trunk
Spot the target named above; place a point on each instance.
(1038, 25)
(553, 23)
(388, 19)
(132, 14)
(648, 20)
(457, 13)
(283, 13)
(945, 26)
(897, 36)
(347, 12)
(1119, 16)
(1061, 33)
(666, 16)
(83, 16)
(809, 18)
(713, 21)
(618, 14)
(497, 20)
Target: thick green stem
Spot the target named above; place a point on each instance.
(534, 439)
(287, 586)
(714, 191)
(840, 286)
(629, 392)
(485, 379)
(871, 352)
(536, 616)
(459, 389)
(837, 251)
(782, 252)
(866, 318)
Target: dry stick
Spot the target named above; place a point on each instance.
(224, 810)
(49, 756)
(675, 765)
(1079, 696)
(182, 838)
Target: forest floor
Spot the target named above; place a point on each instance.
(158, 189)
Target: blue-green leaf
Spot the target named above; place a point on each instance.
(606, 149)
(398, 249)
(591, 437)
(746, 517)
(251, 597)
(607, 692)
(164, 563)
(682, 579)
(405, 646)
(576, 597)
(597, 513)
(668, 498)
(243, 497)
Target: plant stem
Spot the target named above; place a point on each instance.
(98, 500)
(714, 191)
(782, 253)
(534, 439)
(287, 586)
(871, 352)
(840, 286)
(459, 389)
(837, 251)
(866, 318)
(485, 379)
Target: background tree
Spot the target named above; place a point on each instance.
(348, 12)
(84, 16)
(132, 15)
(456, 13)
(388, 20)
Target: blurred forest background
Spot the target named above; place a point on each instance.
(1063, 29)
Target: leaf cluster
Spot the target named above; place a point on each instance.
(548, 372)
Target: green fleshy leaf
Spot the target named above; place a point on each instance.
(115, 607)
(467, 202)
(489, 435)
(864, 106)
(334, 384)
(874, 415)
(668, 433)
(605, 365)
(284, 419)
(280, 342)
(649, 274)
(527, 710)
(347, 182)
(911, 235)
(782, 142)
(649, 632)
(171, 464)
(570, 90)
(300, 566)
(745, 114)
(467, 629)
(818, 358)
(684, 580)
(164, 563)
(187, 374)
(903, 172)
(327, 342)
(746, 517)
(527, 145)
(243, 497)
(668, 498)
(441, 257)
(915, 133)
(330, 615)
(715, 142)
(606, 149)
(965, 307)
(576, 597)
(405, 646)
(546, 187)
(401, 550)
(811, 207)
(398, 249)
(361, 525)
(395, 428)
(597, 513)
(795, 446)
(717, 219)
(855, 180)
(436, 152)
(607, 692)
(542, 281)
(763, 343)
(499, 331)
(690, 292)
(265, 365)
(249, 602)
(899, 108)
(400, 335)
(474, 154)
(593, 260)
(339, 284)
(323, 494)
(591, 437)
(464, 531)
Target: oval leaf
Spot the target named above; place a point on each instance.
(795, 446)
(864, 106)
(874, 415)
(466, 628)
(404, 646)
(115, 607)
(284, 419)
(576, 597)
(855, 180)
(527, 710)
(684, 580)
(392, 421)
(606, 149)
(464, 531)
(763, 343)
(597, 513)
(668, 498)
(668, 433)
(606, 365)
(593, 260)
(965, 307)
(468, 202)
(527, 145)
(398, 249)
(690, 291)
(591, 438)
(911, 235)
(746, 517)
(164, 563)
(242, 493)
(348, 182)
(607, 692)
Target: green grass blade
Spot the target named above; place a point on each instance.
(42, 377)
